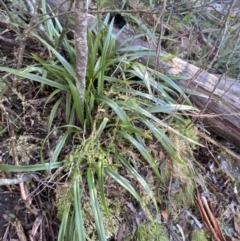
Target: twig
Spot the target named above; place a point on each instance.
(23, 37)
(219, 145)
(14, 181)
(125, 11)
(65, 29)
(23, 190)
(2, 4)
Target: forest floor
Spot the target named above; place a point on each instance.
(213, 187)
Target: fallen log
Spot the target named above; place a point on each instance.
(219, 109)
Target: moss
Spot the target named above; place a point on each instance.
(151, 231)
(198, 235)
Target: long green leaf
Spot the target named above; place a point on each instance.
(116, 108)
(161, 137)
(64, 223)
(134, 92)
(77, 101)
(138, 177)
(144, 152)
(146, 113)
(71, 128)
(30, 168)
(133, 129)
(53, 113)
(79, 224)
(35, 77)
(101, 128)
(62, 60)
(95, 206)
(124, 183)
(100, 172)
(59, 146)
(170, 108)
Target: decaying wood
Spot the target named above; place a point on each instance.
(220, 108)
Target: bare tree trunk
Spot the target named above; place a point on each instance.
(81, 46)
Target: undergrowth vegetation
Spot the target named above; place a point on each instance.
(125, 105)
(130, 127)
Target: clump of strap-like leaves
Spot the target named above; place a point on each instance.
(126, 103)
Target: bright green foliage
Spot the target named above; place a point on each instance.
(151, 231)
(125, 104)
(198, 236)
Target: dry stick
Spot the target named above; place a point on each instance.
(8, 40)
(16, 42)
(23, 37)
(209, 66)
(160, 20)
(205, 216)
(19, 229)
(14, 181)
(103, 11)
(2, 4)
(219, 145)
(224, 30)
(23, 190)
(209, 115)
(235, 47)
(6, 232)
(36, 225)
(215, 87)
(125, 11)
